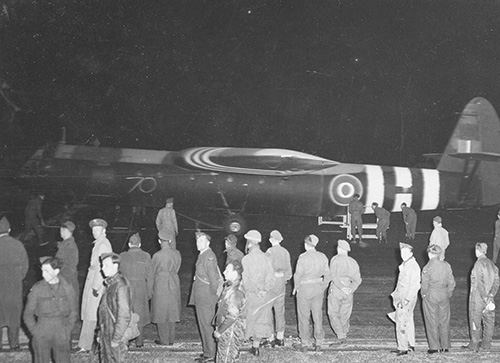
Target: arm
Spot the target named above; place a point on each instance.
(174, 219)
(123, 314)
(159, 220)
(356, 277)
(297, 277)
(149, 277)
(29, 310)
(481, 278)
(214, 276)
(451, 281)
(425, 281)
(288, 267)
(97, 281)
(23, 262)
(496, 282)
(326, 272)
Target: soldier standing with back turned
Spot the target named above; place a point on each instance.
(356, 209)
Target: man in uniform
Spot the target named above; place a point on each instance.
(311, 278)
(94, 287)
(50, 314)
(33, 218)
(484, 283)
(410, 219)
(207, 286)
(67, 252)
(233, 253)
(257, 279)
(346, 278)
(439, 236)
(13, 269)
(404, 298)
(496, 240)
(438, 284)
(166, 222)
(114, 311)
(383, 222)
(356, 209)
(136, 267)
(282, 267)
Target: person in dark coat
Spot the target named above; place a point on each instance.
(383, 222)
(356, 209)
(437, 287)
(33, 218)
(67, 252)
(410, 220)
(207, 286)
(50, 314)
(233, 253)
(13, 269)
(166, 302)
(114, 311)
(137, 268)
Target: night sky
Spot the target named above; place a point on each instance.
(359, 81)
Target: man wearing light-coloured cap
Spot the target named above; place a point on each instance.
(438, 284)
(404, 298)
(282, 266)
(346, 278)
(257, 279)
(67, 252)
(439, 236)
(94, 287)
(484, 283)
(311, 279)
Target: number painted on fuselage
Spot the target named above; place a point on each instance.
(141, 184)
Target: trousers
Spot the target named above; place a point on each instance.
(339, 312)
(305, 308)
(437, 323)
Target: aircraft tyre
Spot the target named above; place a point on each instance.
(235, 224)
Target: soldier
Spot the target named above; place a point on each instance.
(166, 302)
(94, 287)
(410, 219)
(311, 278)
(404, 298)
(137, 268)
(484, 283)
(383, 221)
(33, 218)
(13, 269)
(166, 222)
(496, 240)
(258, 279)
(233, 253)
(50, 314)
(67, 252)
(346, 278)
(205, 292)
(114, 311)
(439, 236)
(438, 284)
(356, 209)
(280, 259)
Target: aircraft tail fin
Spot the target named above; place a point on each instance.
(474, 149)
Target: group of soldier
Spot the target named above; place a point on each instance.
(244, 303)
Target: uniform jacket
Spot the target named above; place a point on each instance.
(13, 268)
(94, 280)
(484, 280)
(280, 259)
(439, 236)
(344, 272)
(382, 214)
(166, 302)
(258, 273)
(438, 282)
(115, 309)
(356, 207)
(166, 222)
(67, 251)
(46, 301)
(207, 279)
(312, 274)
(233, 254)
(137, 268)
(409, 215)
(230, 307)
(408, 281)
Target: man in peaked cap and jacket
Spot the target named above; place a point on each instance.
(233, 253)
(258, 280)
(282, 266)
(438, 284)
(13, 269)
(94, 287)
(346, 278)
(311, 278)
(484, 283)
(207, 286)
(404, 298)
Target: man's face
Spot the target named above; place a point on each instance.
(230, 273)
(109, 268)
(97, 231)
(202, 243)
(64, 232)
(498, 215)
(49, 274)
(170, 205)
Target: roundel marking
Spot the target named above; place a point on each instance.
(343, 187)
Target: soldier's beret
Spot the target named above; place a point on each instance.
(405, 245)
(434, 249)
(344, 245)
(4, 225)
(98, 222)
(437, 219)
(253, 235)
(482, 247)
(312, 240)
(70, 226)
(275, 236)
(231, 239)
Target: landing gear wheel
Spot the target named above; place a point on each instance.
(235, 224)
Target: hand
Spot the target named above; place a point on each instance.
(217, 335)
(114, 344)
(95, 292)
